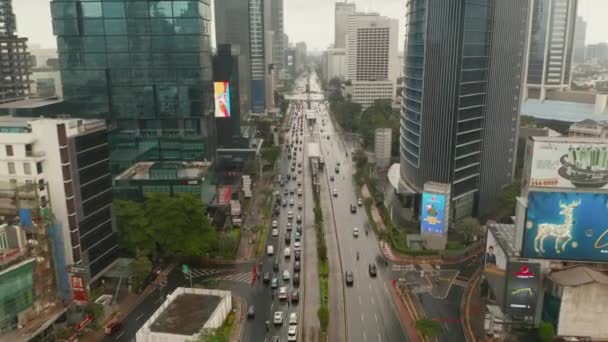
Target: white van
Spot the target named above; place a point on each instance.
(270, 250)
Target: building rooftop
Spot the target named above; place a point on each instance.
(186, 315)
(505, 236)
(561, 110)
(30, 103)
(313, 150)
(578, 276)
(165, 170)
(74, 126)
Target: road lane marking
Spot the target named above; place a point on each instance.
(376, 317)
(140, 316)
(372, 300)
(361, 317)
(364, 336)
(379, 338)
(119, 336)
(360, 303)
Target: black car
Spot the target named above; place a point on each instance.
(372, 270)
(275, 265)
(251, 311)
(287, 239)
(349, 278)
(296, 255)
(266, 277)
(296, 267)
(299, 219)
(353, 208)
(296, 279)
(295, 296)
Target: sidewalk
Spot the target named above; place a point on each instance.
(407, 313)
(472, 310)
(239, 319)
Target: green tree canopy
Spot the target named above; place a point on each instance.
(506, 201)
(166, 225)
(140, 268)
(428, 327)
(468, 227)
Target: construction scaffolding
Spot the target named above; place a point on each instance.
(14, 58)
(28, 289)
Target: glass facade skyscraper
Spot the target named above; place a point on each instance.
(145, 67)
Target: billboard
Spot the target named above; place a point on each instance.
(523, 284)
(222, 99)
(433, 216)
(569, 165)
(566, 226)
(79, 292)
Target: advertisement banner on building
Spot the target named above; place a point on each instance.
(523, 284)
(569, 165)
(222, 99)
(79, 291)
(566, 226)
(433, 216)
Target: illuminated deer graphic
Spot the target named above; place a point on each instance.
(561, 232)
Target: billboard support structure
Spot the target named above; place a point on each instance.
(435, 215)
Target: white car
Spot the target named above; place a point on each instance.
(283, 292)
(278, 318)
(292, 333)
(275, 232)
(293, 318)
(335, 193)
(356, 232)
(275, 224)
(270, 250)
(287, 252)
(291, 202)
(297, 245)
(286, 275)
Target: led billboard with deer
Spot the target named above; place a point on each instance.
(566, 226)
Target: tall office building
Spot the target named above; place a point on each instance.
(232, 27)
(145, 67)
(551, 46)
(463, 74)
(300, 56)
(257, 59)
(14, 57)
(342, 11)
(372, 57)
(580, 33)
(276, 26)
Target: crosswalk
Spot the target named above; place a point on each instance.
(460, 282)
(222, 274)
(403, 268)
(418, 289)
(206, 272)
(246, 278)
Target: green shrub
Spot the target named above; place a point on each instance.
(546, 332)
(323, 314)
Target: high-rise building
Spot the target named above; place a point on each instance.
(276, 26)
(290, 62)
(342, 11)
(14, 57)
(580, 32)
(372, 57)
(300, 56)
(382, 147)
(145, 67)
(550, 46)
(257, 59)
(334, 64)
(232, 27)
(597, 51)
(68, 162)
(461, 97)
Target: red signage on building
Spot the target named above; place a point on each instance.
(78, 289)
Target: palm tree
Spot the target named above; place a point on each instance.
(428, 327)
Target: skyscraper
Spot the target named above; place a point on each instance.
(14, 57)
(143, 66)
(580, 32)
(276, 25)
(463, 70)
(342, 11)
(258, 61)
(300, 55)
(551, 46)
(232, 27)
(372, 57)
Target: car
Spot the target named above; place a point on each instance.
(293, 168)
(291, 202)
(114, 329)
(299, 228)
(286, 275)
(293, 318)
(290, 215)
(292, 333)
(275, 224)
(299, 205)
(349, 278)
(372, 270)
(287, 253)
(270, 250)
(359, 202)
(289, 226)
(266, 277)
(296, 279)
(296, 255)
(299, 182)
(296, 267)
(286, 192)
(331, 178)
(300, 170)
(335, 192)
(337, 169)
(328, 137)
(298, 236)
(250, 311)
(283, 292)
(274, 283)
(353, 208)
(338, 164)
(278, 318)
(297, 245)
(292, 191)
(287, 239)
(356, 232)
(300, 192)
(299, 219)
(284, 203)
(295, 296)
(275, 232)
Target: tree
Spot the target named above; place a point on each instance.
(428, 327)
(546, 332)
(140, 268)
(132, 231)
(468, 227)
(506, 201)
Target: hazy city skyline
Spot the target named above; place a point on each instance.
(34, 20)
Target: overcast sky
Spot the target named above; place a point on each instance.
(311, 21)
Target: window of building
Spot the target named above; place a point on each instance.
(27, 168)
(3, 240)
(9, 150)
(41, 184)
(39, 167)
(11, 168)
